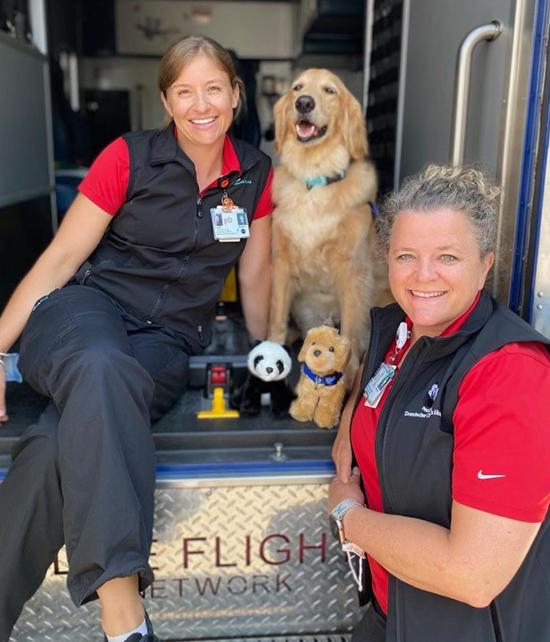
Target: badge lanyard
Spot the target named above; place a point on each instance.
(229, 221)
(386, 371)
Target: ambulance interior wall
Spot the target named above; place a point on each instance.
(25, 179)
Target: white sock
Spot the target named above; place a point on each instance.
(142, 628)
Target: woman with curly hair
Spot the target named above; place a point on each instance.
(448, 427)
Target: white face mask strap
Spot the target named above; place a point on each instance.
(358, 579)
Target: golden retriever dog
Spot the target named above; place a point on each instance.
(323, 231)
(321, 388)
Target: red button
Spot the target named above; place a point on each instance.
(218, 375)
(225, 182)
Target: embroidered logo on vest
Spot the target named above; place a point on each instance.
(427, 409)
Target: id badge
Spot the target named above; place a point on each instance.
(375, 387)
(229, 225)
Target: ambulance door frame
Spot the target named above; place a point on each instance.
(405, 18)
(538, 277)
(526, 278)
(367, 51)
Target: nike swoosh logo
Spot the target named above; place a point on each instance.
(480, 475)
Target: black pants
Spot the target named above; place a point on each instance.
(372, 627)
(84, 475)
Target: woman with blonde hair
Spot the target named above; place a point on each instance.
(108, 318)
(448, 426)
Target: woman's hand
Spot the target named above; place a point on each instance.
(338, 490)
(3, 410)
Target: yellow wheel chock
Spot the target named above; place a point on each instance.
(218, 411)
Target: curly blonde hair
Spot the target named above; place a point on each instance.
(455, 188)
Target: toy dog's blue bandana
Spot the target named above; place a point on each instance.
(328, 380)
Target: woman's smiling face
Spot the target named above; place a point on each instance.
(435, 268)
(201, 102)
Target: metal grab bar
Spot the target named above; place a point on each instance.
(488, 32)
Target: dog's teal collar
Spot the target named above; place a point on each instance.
(328, 380)
(324, 180)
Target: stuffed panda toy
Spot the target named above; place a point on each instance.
(268, 364)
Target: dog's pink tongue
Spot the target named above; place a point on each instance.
(305, 129)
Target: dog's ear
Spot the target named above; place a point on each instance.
(282, 122)
(303, 351)
(311, 336)
(355, 131)
(343, 352)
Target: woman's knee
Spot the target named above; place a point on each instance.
(105, 365)
(97, 365)
(102, 357)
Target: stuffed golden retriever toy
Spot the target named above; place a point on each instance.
(324, 271)
(321, 389)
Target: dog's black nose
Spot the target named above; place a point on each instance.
(269, 370)
(317, 353)
(305, 104)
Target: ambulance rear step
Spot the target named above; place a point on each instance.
(334, 637)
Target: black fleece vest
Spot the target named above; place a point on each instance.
(159, 259)
(414, 450)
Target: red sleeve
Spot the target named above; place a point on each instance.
(502, 434)
(265, 204)
(106, 183)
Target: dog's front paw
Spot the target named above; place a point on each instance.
(300, 411)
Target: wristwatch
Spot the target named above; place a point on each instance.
(337, 514)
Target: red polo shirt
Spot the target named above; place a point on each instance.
(106, 183)
(501, 459)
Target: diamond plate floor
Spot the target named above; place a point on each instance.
(230, 562)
